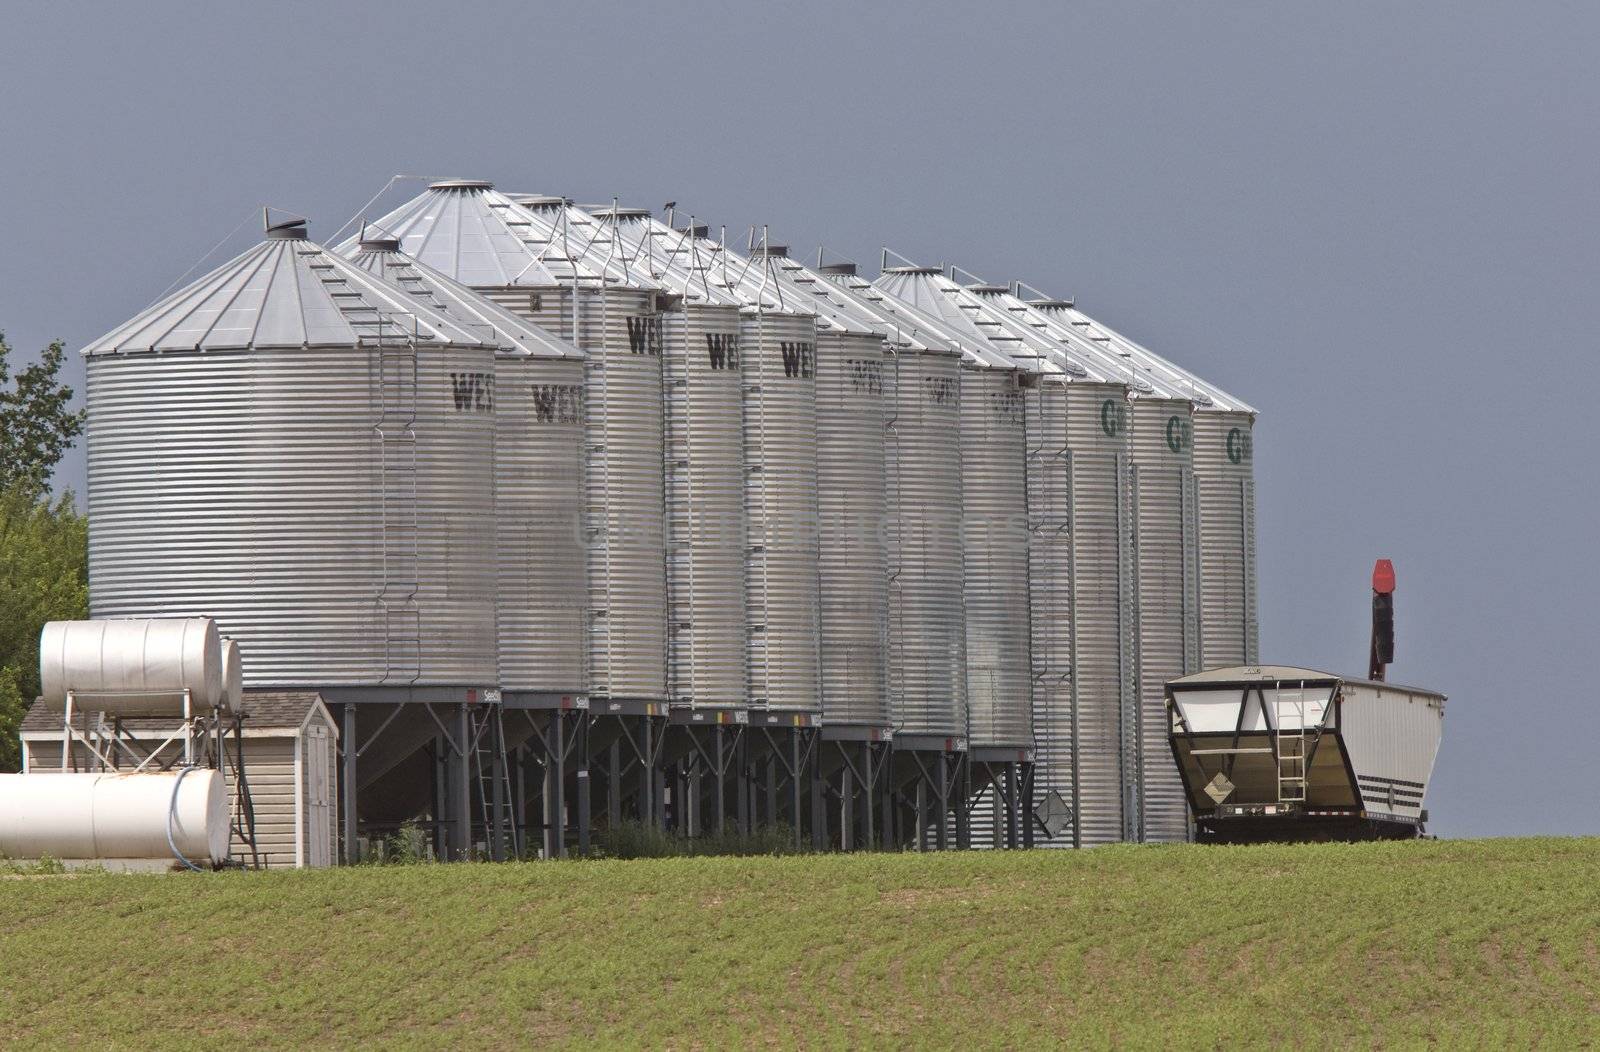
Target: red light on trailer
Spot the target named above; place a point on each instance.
(1383, 577)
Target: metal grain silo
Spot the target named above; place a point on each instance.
(922, 457)
(303, 452)
(1166, 582)
(539, 481)
(705, 461)
(851, 502)
(994, 509)
(1224, 454)
(482, 239)
(1080, 582)
(1224, 480)
(777, 355)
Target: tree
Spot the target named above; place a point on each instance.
(43, 544)
(44, 555)
(37, 423)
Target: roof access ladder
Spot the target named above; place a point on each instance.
(1289, 743)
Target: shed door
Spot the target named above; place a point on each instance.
(319, 797)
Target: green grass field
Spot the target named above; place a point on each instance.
(1457, 943)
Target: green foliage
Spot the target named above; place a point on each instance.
(406, 847)
(1438, 944)
(43, 577)
(37, 424)
(637, 840)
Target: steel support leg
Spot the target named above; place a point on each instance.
(347, 787)
(847, 810)
(614, 785)
(461, 788)
(647, 776)
(583, 784)
(719, 750)
(1012, 804)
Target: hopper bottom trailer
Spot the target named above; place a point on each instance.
(1274, 753)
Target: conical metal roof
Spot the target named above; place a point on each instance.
(966, 315)
(380, 255)
(673, 258)
(470, 232)
(1065, 316)
(907, 288)
(285, 292)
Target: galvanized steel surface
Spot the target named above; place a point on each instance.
(995, 558)
(539, 515)
(1080, 589)
(852, 510)
(1165, 537)
(286, 292)
(778, 358)
(620, 330)
(534, 266)
(705, 505)
(1223, 472)
(539, 479)
(1104, 659)
(927, 632)
(330, 507)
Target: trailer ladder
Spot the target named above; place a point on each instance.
(1290, 743)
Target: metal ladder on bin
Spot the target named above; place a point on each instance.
(1290, 743)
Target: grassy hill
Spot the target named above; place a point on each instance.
(1476, 943)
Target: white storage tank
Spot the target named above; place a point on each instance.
(539, 402)
(525, 262)
(151, 815)
(303, 452)
(135, 666)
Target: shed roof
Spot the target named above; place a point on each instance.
(264, 709)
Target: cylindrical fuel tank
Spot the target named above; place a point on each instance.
(232, 676)
(852, 511)
(133, 667)
(995, 558)
(705, 504)
(114, 815)
(927, 631)
(778, 358)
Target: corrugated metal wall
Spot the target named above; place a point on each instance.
(995, 558)
(539, 506)
(778, 356)
(705, 504)
(852, 508)
(333, 510)
(1102, 696)
(1166, 558)
(1224, 479)
(927, 633)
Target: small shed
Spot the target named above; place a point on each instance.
(290, 768)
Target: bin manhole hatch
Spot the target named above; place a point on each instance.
(1053, 814)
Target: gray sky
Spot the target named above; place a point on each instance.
(1373, 221)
